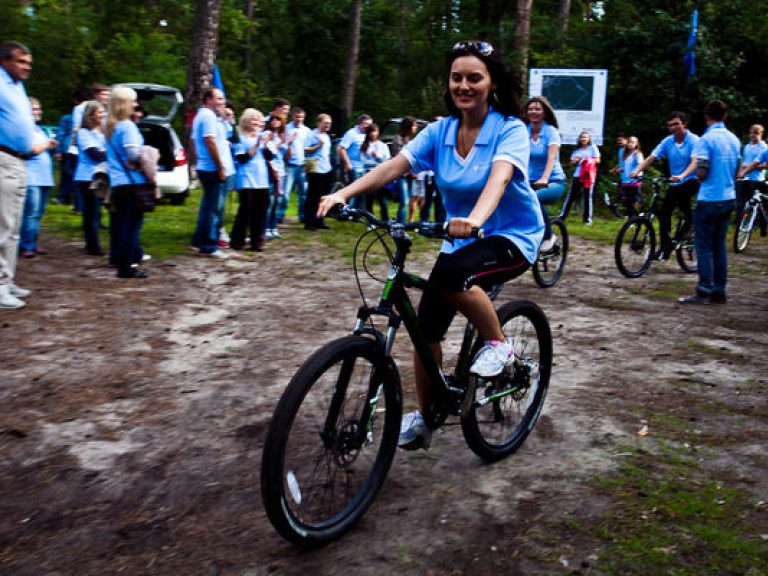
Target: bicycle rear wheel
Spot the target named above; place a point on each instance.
(505, 408)
(744, 226)
(331, 441)
(686, 250)
(549, 265)
(635, 246)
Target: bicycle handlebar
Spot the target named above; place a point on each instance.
(427, 229)
(653, 180)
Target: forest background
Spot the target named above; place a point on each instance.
(300, 49)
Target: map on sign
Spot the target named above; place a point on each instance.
(578, 97)
(569, 92)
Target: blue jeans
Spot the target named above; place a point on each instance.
(710, 226)
(549, 195)
(293, 175)
(274, 203)
(210, 214)
(34, 209)
(357, 201)
(125, 228)
(403, 198)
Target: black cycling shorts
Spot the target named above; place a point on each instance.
(485, 263)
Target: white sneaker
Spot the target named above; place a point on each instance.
(18, 292)
(493, 358)
(146, 257)
(548, 244)
(414, 432)
(268, 235)
(218, 255)
(276, 233)
(8, 301)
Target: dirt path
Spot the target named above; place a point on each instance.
(132, 416)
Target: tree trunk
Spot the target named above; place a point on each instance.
(202, 56)
(565, 9)
(353, 50)
(522, 38)
(249, 6)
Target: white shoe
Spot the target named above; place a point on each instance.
(268, 235)
(548, 244)
(493, 358)
(8, 301)
(219, 255)
(18, 292)
(146, 257)
(276, 233)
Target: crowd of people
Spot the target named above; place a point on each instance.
(266, 158)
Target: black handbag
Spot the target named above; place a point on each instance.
(143, 194)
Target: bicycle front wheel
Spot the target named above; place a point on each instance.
(505, 408)
(331, 441)
(635, 246)
(744, 226)
(686, 253)
(549, 265)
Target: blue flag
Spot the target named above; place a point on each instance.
(216, 80)
(690, 57)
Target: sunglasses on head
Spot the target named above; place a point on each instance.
(483, 48)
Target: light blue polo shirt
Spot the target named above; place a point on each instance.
(323, 154)
(206, 123)
(85, 164)
(548, 135)
(678, 155)
(40, 166)
(17, 126)
(590, 151)
(252, 174)
(351, 142)
(628, 165)
(461, 180)
(303, 133)
(752, 152)
(721, 147)
(126, 135)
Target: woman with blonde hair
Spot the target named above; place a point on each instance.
(252, 182)
(124, 142)
(91, 153)
(586, 158)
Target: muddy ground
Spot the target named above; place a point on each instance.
(132, 416)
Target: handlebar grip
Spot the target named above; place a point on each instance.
(477, 233)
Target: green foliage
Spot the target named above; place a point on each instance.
(297, 49)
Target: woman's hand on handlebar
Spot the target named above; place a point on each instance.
(461, 228)
(328, 202)
(540, 184)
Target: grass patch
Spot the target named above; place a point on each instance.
(669, 521)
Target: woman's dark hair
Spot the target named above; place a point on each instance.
(549, 112)
(280, 130)
(367, 141)
(406, 127)
(506, 98)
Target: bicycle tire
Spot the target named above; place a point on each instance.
(498, 428)
(321, 469)
(635, 247)
(686, 252)
(550, 266)
(743, 228)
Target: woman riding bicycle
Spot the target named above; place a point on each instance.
(546, 173)
(480, 158)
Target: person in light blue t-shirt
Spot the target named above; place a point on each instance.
(124, 142)
(320, 173)
(677, 148)
(39, 183)
(717, 158)
(91, 147)
(479, 155)
(545, 171)
(750, 175)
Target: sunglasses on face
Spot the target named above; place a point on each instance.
(483, 48)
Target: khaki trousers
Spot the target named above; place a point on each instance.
(13, 190)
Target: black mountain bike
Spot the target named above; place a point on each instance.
(335, 430)
(753, 214)
(550, 264)
(635, 245)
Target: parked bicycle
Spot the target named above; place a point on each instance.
(335, 430)
(635, 246)
(752, 215)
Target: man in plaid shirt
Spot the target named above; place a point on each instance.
(717, 159)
